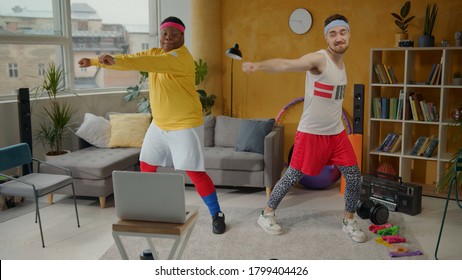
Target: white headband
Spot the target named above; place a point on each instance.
(337, 22)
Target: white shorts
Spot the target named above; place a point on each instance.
(182, 149)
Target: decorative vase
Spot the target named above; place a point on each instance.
(426, 41)
(457, 114)
(400, 36)
(457, 81)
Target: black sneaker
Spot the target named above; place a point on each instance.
(218, 223)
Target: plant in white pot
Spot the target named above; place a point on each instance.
(58, 114)
(402, 21)
(427, 39)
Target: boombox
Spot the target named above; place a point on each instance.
(390, 191)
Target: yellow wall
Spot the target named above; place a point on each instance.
(261, 29)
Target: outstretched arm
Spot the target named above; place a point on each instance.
(104, 59)
(308, 62)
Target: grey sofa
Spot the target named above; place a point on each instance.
(232, 161)
(91, 167)
(234, 156)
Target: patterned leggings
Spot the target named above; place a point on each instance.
(292, 176)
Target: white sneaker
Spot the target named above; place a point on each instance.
(351, 227)
(268, 223)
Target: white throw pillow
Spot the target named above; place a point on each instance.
(95, 130)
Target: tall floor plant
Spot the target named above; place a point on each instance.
(58, 115)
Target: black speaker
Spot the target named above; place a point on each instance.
(25, 126)
(358, 109)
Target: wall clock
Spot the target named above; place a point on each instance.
(300, 21)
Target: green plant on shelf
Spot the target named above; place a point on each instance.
(400, 19)
(430, 17)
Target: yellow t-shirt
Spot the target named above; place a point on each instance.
(174, 101)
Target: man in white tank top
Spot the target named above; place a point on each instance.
(321, 138)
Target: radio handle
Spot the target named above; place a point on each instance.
(391, 176)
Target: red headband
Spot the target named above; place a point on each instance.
(172, 24)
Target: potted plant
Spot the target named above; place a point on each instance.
(445, 179)
(402, 21)
(457, 78)
(58, 114)
(135, 92)
(207, 101)
(427, 39)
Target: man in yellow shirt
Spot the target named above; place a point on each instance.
(175, 136)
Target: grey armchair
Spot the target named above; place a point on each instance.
(32, 185)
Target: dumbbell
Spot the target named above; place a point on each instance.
(377, 213)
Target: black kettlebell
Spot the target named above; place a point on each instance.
(377, 213)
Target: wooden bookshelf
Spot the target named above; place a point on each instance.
(414, 69)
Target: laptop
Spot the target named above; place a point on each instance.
(147, 196)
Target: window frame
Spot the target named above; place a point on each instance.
(62, 14)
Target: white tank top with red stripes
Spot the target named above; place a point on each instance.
(322, 108)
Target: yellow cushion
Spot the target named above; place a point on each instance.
(128, 130)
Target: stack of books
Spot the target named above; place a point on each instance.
(391, 143)
(388, 107)
(422, 110)
(424, 146)
(385, 74)
(434, 78)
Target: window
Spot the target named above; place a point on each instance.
(33, 33)
(144, 46)
(41, 69)
(13, 70)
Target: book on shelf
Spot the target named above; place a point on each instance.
(432, 72)
(435, 113)
(385, 68)
(385, 141)
(382, 74)
(414, 99)
(430, 110)
(377, 73)
(424, 109)
(424, 146)
(390, 142)
(394, 80)
(397, 145)
(431, 147)
(435, 74)
(384, 114)
(393, 108)
(413, 109)
(400, 105)
(418, 143)
(438, 76)
(417, 98)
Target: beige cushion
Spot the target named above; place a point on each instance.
(128, 130)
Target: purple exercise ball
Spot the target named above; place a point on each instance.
(328, 176)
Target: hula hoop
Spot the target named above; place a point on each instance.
(294, 102)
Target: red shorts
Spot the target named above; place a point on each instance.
(312, 152)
